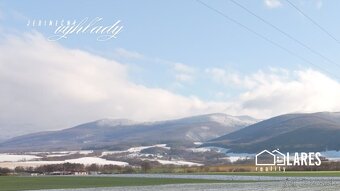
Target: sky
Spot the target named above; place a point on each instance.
(171, 59)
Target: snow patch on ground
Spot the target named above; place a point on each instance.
(84, 152)
(104, 153)
(229, 120)
(57, 155)
(135, 151)
(236, 158)
(200, 150)
(84, 161)
(115, 122)
(176, 162)
(16, 158)
(96, 160)
(61, 153)
(180, 163)
(139, 149)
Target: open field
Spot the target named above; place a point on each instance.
(257, 186)
(170, 182)
(283, 174)
(11, 183)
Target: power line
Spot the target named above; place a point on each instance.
(285, 34)
(313, 21)
(265, 38)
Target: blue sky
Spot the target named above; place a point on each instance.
(189, 33)
(189, 50)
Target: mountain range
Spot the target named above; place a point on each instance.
(302, 132)
(122, 133)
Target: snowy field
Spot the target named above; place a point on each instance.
(264, 186)
(267, 184)
(83, 160)
(34, 159)
(15, 158)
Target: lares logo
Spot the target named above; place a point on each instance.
(277, 161)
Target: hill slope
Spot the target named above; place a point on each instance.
(291, 132)
(122, 133)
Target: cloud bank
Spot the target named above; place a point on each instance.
(278, 91)
(45, 86)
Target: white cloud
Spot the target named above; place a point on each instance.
(183, 73)
(277, 91)
(272, 3)
(229, 78)
(47, 86)
(128, 54)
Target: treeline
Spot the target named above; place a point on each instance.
(68, 169)
(145, 167)
(5, 171)
(79, 169)
(148, 167)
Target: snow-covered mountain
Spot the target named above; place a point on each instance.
(108, 133)
(291, 132)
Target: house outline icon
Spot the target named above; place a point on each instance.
(264, 164)
(276, 157)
